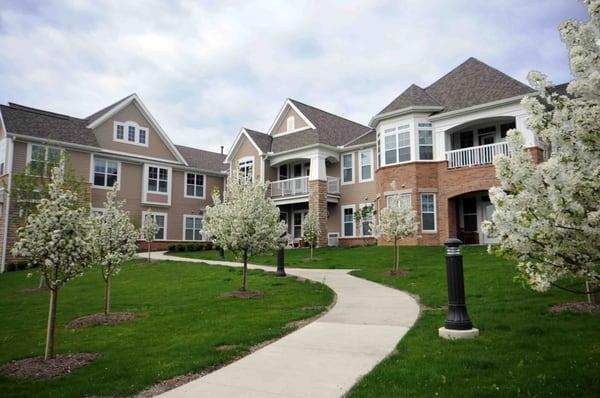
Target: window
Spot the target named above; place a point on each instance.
(192, 227)
(194, 185)
(131, 133)
(158, 179)
(466, 139)
(161, 220)
(470, 214)
(42, 158)
(291, 123)
(366, 164)
(246, 167)
(425, 141)
(348, 220)
(402, 198)
(428, 212)
(120, 135)
(505, 127)
(348, 168)
(283, 172)
(397, 144)
(142, 136)
(365, 221)
(106, 172)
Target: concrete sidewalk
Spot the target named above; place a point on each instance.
(324, 358)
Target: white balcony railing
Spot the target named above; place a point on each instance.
(299, 186)
(333, 185)
(475, 155)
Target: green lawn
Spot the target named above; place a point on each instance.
(523, 349)
(185, 320)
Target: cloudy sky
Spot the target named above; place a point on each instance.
(206, 68)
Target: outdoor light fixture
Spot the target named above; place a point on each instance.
(457, 324)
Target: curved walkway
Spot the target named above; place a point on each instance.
(324, 358)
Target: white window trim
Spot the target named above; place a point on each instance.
(145, 191)
(360, 230)
(185, 195)
(422, 127)
(342, 168)
(92, 170)
(360, 166)
(29, 154)
(403, 128)
(157, 213)
(126, 132)
(434, 230)
(183, 228)
(247, 159)
(290, 123)
(343, 233)
(398, 193)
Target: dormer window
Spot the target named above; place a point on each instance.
(131, 133)
(291, 123)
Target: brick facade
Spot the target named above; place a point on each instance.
(317, 200)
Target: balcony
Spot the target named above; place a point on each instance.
(298, 188)
(476, 155)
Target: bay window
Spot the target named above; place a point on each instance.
(425, 141)
(402, 198)
(106, 172)
(397, 144)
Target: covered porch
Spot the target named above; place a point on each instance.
(470, 211)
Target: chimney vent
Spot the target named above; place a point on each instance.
(221, 149)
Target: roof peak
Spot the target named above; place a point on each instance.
(324, 111)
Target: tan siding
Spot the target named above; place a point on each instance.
(246, 148)
(156, 147)
(281, 127)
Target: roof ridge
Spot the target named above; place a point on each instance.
(38, 111)
(199, 149)
(359, 137)
(329, 113)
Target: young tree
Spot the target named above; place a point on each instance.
(148, 232)
(548, 215)
(245, 222)
(311, 229)
(114, 240)
(395, 222)
(57, 238)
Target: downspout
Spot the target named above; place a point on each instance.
(9, 163)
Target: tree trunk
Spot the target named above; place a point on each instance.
(149, 251)
(592, 296)
(311, 252)
(107, 296)
(42, 281)
(245, 272)
(49, 352)
(395, 254)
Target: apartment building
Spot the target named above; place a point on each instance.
(121, 143)
(433, 147)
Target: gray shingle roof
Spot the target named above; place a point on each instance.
(471, 83)
(33, 122)
(329, 129)
(412, 96)
(368, 138)
(261, 139)
(201, 159)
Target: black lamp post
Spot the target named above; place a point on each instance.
(280, 262)
(457, 324)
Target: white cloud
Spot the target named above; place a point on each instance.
(205, 69)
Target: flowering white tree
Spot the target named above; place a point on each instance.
(548, 215)
(311, 229)
(395, 222)
(57, 237)
(148, 232)
(114, 240)
(246, 221)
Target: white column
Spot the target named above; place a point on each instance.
(317, 167)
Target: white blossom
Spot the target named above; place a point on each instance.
(311, 229)
(547, 216)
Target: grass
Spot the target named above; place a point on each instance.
(185, 320)
(523, 350)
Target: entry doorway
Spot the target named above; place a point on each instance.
(297, 220)
(473, 209)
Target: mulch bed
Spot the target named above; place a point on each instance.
(245, 294)
(101, 319)
(398, 273)
(581, 307)
(37, 368)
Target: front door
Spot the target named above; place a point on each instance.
(488, 210)
(297, 220)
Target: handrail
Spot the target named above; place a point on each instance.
(476, 155)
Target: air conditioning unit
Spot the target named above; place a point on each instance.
(332, 239)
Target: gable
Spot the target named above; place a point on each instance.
(281, 126)
(243, 148)
(131, 113)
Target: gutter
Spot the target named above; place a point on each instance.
(9, 162)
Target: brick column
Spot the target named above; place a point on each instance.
(317, 201)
